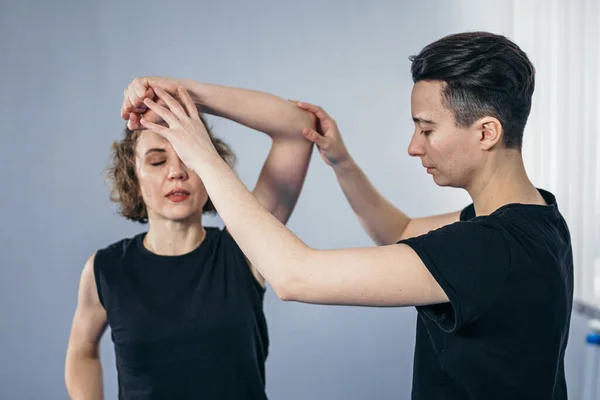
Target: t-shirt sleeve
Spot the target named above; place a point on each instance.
(471, 262)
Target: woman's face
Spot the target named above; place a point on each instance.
(452, 155)
(169, 189)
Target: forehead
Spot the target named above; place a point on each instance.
(426, 101)
(148, 140)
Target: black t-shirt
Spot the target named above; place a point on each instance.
(509, 278)
(184, 327)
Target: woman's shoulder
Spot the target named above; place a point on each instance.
(218, 234)
(119, 247)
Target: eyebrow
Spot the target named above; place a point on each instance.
(155, 149)
(420, 120)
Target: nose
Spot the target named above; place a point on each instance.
(415, 149)
(178, 171)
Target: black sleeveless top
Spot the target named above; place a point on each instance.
(184, 327)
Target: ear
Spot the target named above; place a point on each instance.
(489, 131)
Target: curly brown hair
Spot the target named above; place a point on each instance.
(123, 178)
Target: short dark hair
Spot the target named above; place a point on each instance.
(484, 75)
(123, 177)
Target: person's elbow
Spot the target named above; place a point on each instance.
(310, 120)
(303, 120)
(287, 290)
(293, 284)
(79, 353)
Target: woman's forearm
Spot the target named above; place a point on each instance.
(83, 376)
(273, 115)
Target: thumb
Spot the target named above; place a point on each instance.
(301, 105)
(315, 137)
(149, 93)
(134, 122)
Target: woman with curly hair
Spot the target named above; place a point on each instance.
(183, 302)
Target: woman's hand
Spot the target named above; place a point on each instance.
(137, 91)
(327, 136)
(186, 132)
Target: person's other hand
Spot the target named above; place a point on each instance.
(137, 91)
(327, 136)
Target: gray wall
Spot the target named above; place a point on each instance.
(64, 67)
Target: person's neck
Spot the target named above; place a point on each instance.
(173, 238)
(503, 181)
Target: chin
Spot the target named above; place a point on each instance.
(447, 183)
(440, 181)
(444, 182)
(181, 215)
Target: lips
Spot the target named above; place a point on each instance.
(178, 192)
(178, 195)
(428, 169)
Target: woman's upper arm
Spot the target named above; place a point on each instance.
(384, 276)
(90, 320)
(420, 226)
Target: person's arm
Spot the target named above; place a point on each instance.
(284, 171)
(382, 276)
(384, 222)
(264, 112)
(83, 371)
(282, 176)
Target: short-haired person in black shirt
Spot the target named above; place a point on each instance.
(184, 305)
(492, 283)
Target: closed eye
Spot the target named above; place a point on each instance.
(158, 163)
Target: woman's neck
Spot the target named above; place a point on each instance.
(503, 182)
(173, 238)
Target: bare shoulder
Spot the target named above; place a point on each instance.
(88, 325)
(90, 319)
(88, 291)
